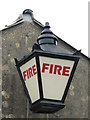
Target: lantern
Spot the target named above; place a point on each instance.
(46, 73)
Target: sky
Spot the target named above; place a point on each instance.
(68, 18)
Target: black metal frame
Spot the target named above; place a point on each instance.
(44, 105)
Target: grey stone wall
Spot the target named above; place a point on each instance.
(0, 73)
(17, 41)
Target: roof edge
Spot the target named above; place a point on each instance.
(41, 25)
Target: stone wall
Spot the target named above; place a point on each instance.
(17, 41)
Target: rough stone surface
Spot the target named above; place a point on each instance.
(0, 73)
(17, 41)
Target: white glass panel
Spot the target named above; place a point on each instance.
(29, 73)
(55, 74)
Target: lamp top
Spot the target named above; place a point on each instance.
(47, 25)
(47, 36)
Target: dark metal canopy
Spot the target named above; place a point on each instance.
(47, 41)
(47, 36)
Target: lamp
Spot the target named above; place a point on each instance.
(46, 73)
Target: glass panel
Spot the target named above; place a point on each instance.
(55, 74)
(29, 73)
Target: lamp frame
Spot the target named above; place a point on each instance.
(54, 105)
